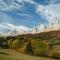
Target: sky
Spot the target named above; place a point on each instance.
(26, 14)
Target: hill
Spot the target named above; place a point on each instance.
(11, 54)
(46, 44)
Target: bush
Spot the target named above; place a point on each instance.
(10, 42)
(15, 43)
(40, 48)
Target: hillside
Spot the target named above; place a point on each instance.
(5, 54)
(46, 44)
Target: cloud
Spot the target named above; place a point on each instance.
(2, 26)
(54, 1)
(51, 12)
(13, 5)
(12, 27)
(42, 26)
(23, 28)
(4, 17)
(26, 15)
(7, 26)
(17, 28)
(9, 5)
(29, 1)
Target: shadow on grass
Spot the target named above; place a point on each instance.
(4, 53)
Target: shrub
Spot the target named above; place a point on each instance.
(10, 42)
(40, 48)
(15, 43)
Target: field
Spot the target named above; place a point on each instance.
(11, 54)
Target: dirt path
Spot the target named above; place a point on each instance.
(9, 54)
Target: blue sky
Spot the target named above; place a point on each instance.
(28, 13)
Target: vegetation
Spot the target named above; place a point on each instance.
(11, 54)
(43, 44)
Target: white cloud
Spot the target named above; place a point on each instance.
(12, 27)
(9, 5)
(19, 0)
(4, 17)
(51, 12)
(53, 1)
(7, 26)
(22, 28)
(26, 15)
(42, 26)
(3, 26)
(29, 1)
